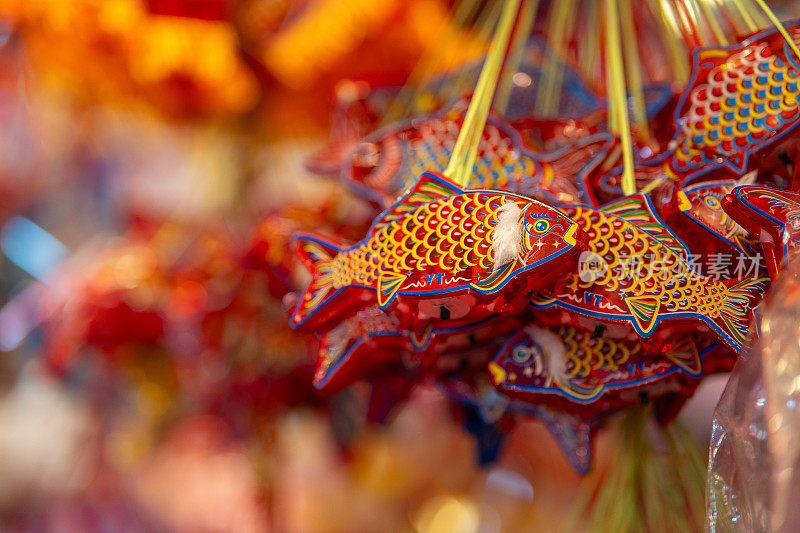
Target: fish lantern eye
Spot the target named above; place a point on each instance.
(712, 202)
(521, 353)
(539, 226)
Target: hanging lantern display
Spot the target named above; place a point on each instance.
(570, 212)
(627, 262)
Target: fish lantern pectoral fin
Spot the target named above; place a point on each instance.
(644, 310)
(388, 284)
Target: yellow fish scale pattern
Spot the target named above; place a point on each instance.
(497, 161)
(641, 265)
(452, 234)
(586, 352)
(747, 97)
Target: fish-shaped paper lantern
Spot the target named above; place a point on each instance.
(440, 253)
(739, 99)
(700, 220)
(572, 380)
(387, 161)
(572, 368)
(372, 340)
(771, 214)
(635, 271)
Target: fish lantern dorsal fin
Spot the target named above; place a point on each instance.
(770, 201)
(573, 435)
(748, 179)
(639, 211)
(428, 188)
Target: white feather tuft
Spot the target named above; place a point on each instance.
(748, 179)
(553, 348)
(506, 239)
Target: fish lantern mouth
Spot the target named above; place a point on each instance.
(497, 372)
(569, 236)
(542, 237)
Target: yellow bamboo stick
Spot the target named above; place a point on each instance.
(462, 83)
(527, 15)
(548, 95)
(652, 185)
(615, 71)
(633, 69)
(780, 27)
(612, 116)
(563, 49)
(694, 19)
(673, 39)
(468, 136)
(711, 19)
(745, 14)
(756, 14)
(724, 6)
(590, 46)
(465, 151)
(429, 63)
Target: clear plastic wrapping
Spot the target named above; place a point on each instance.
(753, 475)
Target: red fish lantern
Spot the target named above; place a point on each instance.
(717, 243)
(370, 341)
(440, 254)
(571, 368)
(772, 215)
(572, 380)
(738, 100)
(635, 271)
(387, 161)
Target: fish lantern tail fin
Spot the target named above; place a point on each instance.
(583, 156)
(316, 253)
(737, 311)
